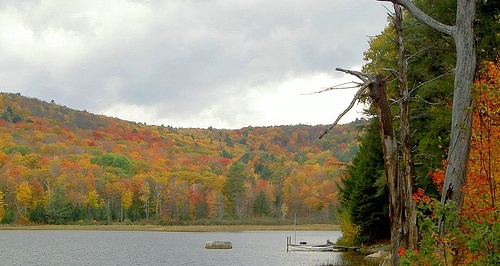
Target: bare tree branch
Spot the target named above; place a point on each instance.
(356, 97)
(425, 101)
(362, 76)
(410, 57)
(367, 79)
(422, 17)
(431, 80)
(337, 87)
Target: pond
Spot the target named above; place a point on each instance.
(76, 247)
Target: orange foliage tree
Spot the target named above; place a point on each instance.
(481, 210)
(477, 241)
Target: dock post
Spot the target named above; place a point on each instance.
(294, 228)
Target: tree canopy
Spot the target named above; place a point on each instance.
(117, 171)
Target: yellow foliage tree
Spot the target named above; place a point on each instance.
(144, 197)
(23, 196)
(92, 199)
(127, 197)
(2, 205)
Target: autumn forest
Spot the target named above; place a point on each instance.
(61, 166)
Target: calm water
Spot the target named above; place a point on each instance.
(158, 248)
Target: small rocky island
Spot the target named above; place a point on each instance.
(218, 245)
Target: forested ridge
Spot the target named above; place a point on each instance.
(59, 165)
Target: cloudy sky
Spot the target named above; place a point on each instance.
(188, 63)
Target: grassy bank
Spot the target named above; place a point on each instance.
(179, 228)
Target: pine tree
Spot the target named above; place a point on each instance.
(38, 214)
(363, 192)
(58, 209)
(234, 187)
(260, 205)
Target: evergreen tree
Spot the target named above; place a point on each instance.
(38, 214)
(78, 212)
(234, 187)
(363, 192)
(58, 209)
(260, 205)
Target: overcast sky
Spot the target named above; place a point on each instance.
(188, 63)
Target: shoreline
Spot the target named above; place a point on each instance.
(178, 228)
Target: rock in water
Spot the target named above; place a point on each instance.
(218, 245)
(377, 255)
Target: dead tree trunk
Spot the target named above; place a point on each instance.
(407, 171)
(402, 213)
(377, 92)
(391, 163)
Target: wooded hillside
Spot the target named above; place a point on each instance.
(59, 165)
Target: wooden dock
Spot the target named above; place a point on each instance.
(303, 246)
(345, 248)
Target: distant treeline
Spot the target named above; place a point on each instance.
(59, 165)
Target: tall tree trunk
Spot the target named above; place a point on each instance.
(461, 121)
(397, 211)
(391, 163)
(407, 171)
(459, 148)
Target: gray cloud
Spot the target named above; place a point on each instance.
(182, 60)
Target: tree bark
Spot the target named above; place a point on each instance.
(407, 171)
(461, 121)
(390, 149)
